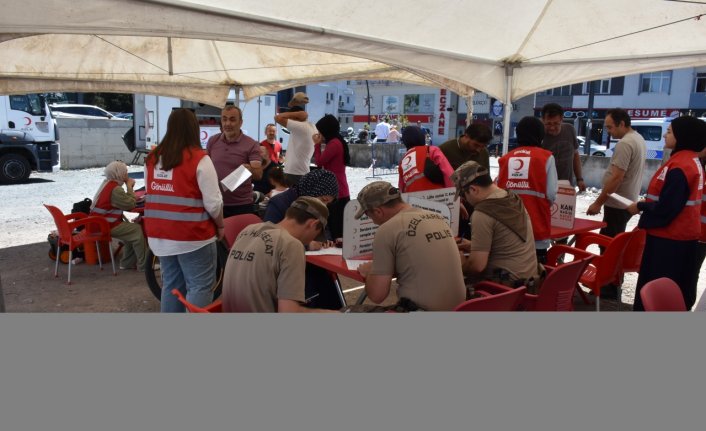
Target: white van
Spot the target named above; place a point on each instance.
(652, 131)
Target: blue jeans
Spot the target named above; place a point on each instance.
(193, 274)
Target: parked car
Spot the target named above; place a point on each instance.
(496, 148)
(596, 149)
(125, 115)
(68, 110)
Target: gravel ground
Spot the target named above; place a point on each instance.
(26, 221)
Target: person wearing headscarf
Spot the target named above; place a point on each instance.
(320, 291)
(335, 157)
(529, 171)
(110, 201)
(671, 213)
(319, 183)
(423, 167)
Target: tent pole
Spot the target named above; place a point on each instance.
(508, 106)
(469, 107)
(169, 55)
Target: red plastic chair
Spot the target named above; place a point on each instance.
(632, 258)
(604, 268)
(505, 301)
(235, 224)
(662, 294)
(214, 307)
(96, 229)
(557, 292)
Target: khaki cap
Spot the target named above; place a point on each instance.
(375, 194)
(315, 208)
(299, 99)
(465, 174)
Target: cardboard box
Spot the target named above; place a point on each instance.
(564, 207)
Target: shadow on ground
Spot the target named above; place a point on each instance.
(30, 287)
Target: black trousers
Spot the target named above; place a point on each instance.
(616, 219)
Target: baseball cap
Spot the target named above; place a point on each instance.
(315, 208)
(374, 195)
(465, 174)
(298, 99)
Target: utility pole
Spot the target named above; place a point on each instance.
(589, 116)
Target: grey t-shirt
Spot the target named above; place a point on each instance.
(628, 155)
(265, 264)
(419, 248)
(563, 146)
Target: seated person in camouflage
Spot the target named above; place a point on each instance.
(414, 245)
(265, 268)
(501, 248)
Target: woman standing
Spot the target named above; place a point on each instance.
(671, 213)
(334, 158)
(183, 213)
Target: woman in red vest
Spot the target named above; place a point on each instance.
(183, 213)
(109, 202)
(671, 212)
(420, 161)
(530, 172)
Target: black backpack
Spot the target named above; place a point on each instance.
(83, 206)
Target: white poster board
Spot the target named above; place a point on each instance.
(564, 208)
(358, 235)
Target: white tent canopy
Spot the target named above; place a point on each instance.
(198, 49)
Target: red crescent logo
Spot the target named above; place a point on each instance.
(520, 164)
(28, 121)
(204, 135)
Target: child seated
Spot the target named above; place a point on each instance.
(277, 181)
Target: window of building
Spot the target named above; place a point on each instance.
(657, 82)
(559, 91)
(700, 83)
(602, 87)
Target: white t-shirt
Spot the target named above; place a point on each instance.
(300, 147)
(382, 130)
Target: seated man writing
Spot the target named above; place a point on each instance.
(502, 243)
(414, 245)
(265, 268)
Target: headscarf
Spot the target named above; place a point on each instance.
(115, 171)
(690, 134)
(530, 132)
(330, 129)
(316, 183)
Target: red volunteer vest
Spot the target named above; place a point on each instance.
(524, 171)
(686, 226)
(174, 204)
(411, 170)
(105, 209)
(273, 150)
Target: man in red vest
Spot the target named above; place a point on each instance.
(274, 148)
(530, 172)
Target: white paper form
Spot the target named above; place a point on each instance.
(236, 178)
(330, 251)
(621, 201)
